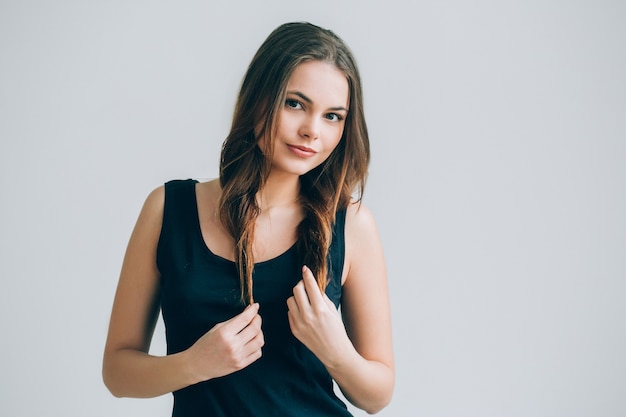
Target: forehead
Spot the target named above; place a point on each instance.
(322, 82)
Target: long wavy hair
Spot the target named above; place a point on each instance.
(246, 161)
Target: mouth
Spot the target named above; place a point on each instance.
(302, 151)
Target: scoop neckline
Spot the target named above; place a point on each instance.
(198, 232)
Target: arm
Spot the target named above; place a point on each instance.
(357, 352)
(128, 370)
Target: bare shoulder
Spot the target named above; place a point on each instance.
(363, 247)
(360, 222)
(208, 192)
(151, 215)
(155, 201)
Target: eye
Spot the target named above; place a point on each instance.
(334, 117)
(293, 104)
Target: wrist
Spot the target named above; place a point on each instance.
(190, 372)
(343, 357)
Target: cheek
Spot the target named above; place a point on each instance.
(288, 125)
(334, 137)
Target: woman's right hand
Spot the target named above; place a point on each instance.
(228, 347)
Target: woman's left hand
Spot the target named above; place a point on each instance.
(316, 322)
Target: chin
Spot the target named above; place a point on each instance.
(295, 169)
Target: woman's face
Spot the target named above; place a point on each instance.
(311, 121)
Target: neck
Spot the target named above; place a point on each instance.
(279, 190)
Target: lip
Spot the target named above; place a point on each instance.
(302, 151)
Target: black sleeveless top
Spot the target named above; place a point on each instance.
(200, 289)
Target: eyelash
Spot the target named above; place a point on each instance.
(291, 103)
(295, 104)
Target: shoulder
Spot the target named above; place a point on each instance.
(154, 205)
(154, 202)
(364, 252)
(208, 192)
(360, 221)
(211, 186)
(174, 189)
(155, 198)
(151, 215)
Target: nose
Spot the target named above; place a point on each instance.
(310, 128)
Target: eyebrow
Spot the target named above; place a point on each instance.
(308, 100)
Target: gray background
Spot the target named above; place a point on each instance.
(498, 182)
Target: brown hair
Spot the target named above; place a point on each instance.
(244, 166)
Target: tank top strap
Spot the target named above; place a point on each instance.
(180, 214)
(336, 258)
(180, 202)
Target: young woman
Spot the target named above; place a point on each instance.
(249, 270)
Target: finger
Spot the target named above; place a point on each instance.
(240, 321)
(301, 297)
(255, 351)
(250, 352)
(292, 321)
(256, 342)
(329, 302)
(292, 305)
(251, 330)
(312, 290)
